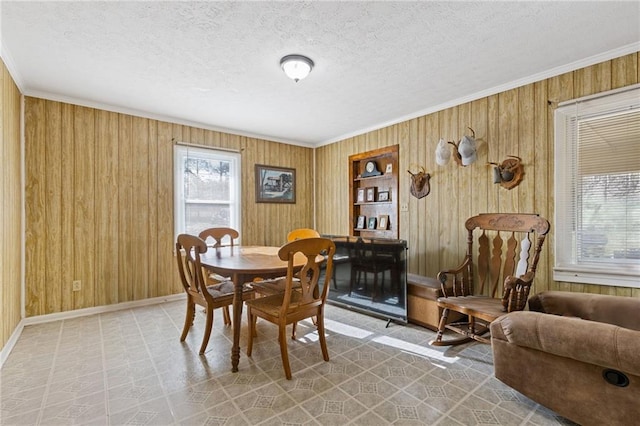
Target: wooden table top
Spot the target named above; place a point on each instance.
(247, 260)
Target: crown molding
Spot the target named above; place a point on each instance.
(553, 72)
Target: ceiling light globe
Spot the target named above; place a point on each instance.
(296, 67)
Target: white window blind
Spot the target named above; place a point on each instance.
(207, 189)
(597, 189)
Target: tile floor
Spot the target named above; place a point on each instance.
(128, 367)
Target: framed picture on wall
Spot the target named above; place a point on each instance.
(275, 184)
(383, 196)
(360, 224)
(371, 194)
(383, 221)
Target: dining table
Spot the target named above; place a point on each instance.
(243, 264)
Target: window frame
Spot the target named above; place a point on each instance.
(181, 151)
(567, 267)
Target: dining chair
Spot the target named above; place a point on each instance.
(268, 287)
(222, 237)
(300, 233)
(302, 298)
(188, 251)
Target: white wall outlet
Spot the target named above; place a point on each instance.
(77, 285)
(404, 207)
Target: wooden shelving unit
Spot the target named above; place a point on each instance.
(365, 193)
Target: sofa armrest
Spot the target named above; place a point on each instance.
(591, 342)
(616, 310)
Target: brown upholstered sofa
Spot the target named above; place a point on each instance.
(575, 353)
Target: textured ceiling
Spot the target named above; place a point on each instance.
(216, 64)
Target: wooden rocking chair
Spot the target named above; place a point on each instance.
(513, 265)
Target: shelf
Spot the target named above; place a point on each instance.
(372, 203)
(386, 175)
(387, 206)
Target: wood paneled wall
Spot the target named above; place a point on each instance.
(99, 188)
(11, 196)
(99, 203)
(516, 122)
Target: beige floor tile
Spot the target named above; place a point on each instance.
(129, 367)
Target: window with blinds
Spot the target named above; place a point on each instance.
(597, 189)
(207, 189)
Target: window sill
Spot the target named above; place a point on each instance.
(596, 276)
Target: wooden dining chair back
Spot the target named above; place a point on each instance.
(188, 251)
(300, 233)
(303, 297)
(270, 286)
(221, 236)
(509, 247)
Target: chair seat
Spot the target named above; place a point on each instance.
(272, 304)
(483, 307)
(225, 288)
(272, 286)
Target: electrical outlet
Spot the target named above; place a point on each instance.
(404, 207)
(77, 285)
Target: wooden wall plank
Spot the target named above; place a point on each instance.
(140, 206)
(53, 207)
(106, 202)
(68, 206)
(126, 261)
(479, 182)
(84, 229)
(35, 194)
(11, 208)
(542, 160)
(165, 264)
(152, 211)
(433, 214)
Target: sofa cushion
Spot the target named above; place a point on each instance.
(616, 310)
(571, 337)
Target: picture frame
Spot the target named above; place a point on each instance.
(360, 224)
(275, 184)
(371, 194)
(383, 196)
(389, 168)
(372, 223)
(383, 222)
(360, 195)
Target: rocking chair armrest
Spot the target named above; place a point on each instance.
(516, 291)
(442, 277)
(447, 290)
(512, 282)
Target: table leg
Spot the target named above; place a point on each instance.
(237, 321)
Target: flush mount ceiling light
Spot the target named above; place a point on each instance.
(296, 67)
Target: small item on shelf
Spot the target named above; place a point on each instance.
(372, 223)
(371, 169)
(361, 222)
(360, 196)
(383, 196)
(383, 222)
(389, 168)
(371, 194)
